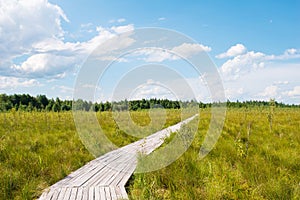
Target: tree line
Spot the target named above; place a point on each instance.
(26, 102)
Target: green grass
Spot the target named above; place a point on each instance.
(37, 149)
(250, 161)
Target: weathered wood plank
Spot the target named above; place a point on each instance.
(53, 194)
(79, 195)
(97, 193)
(73, 193)
(123, 192)
(113, 193)
(107, 193)
(62, 194)
(102, 193)
(91, 192)
(67, 194)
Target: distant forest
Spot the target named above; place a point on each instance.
(26, 102)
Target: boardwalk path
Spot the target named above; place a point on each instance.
(106, 176)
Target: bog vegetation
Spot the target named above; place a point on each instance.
(256, 157)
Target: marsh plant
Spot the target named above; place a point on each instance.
(38, 149)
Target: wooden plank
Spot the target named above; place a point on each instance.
(83, 170)
(107, 193)
(102, 193)
(93, 179)
(118, 175)
(74, 193)
(128, 170)
(85, 193)
(118, 192)
(97, 193)
(85, 177)
(79, 195)
(67, 194)
(91, 193)
(113, 192)
(55, 194)
(80, 180)
(62, 194)
(123, 192)
(45, 195)
(109, 171)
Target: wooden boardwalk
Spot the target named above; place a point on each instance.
(104, 178)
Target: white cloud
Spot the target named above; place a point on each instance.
(234, 92)
(184, 50)
(31, 33)
(120, 20)
(86, 25)
(288, 54)
(161, 19)
(23, 23)
(235, 50)
(154, 55)
(53, 45)
(122, 29)
(187, 49)
(41, 65)
(291, 51)
(240, 64)
(63, 89)
(151, 89)
(295, 92)
(281, 82)
(246, 61)
(270, 91)
(8, 83)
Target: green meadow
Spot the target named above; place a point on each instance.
(256, 157)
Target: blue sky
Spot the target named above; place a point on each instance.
(254, 44)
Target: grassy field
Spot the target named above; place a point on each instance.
(250, 161)
(256, 157)
(39, 148)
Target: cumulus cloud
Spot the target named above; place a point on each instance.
(234, 93)
(295, 92)
(281, 82)
(154, 55)
(288, 54)
(235, 50)
(24, 23)
(45, 65)
(63, 89)
(243, 63)
(122, 29)
(269, 91)
(185, 50)
(8, 83)
(151, 89)
(31, 32)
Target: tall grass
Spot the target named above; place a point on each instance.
(37, 149)
(248, 162)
